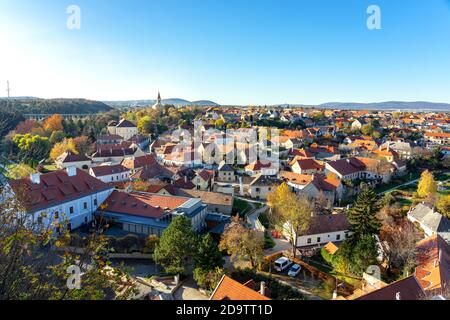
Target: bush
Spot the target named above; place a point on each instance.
(278, 291)
(268, 241)
(150, 243)
(129, 244)
(268, 261)
(326, 256)
(208, 279)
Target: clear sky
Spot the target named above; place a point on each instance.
(229, 51)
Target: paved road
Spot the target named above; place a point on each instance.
(189, 291)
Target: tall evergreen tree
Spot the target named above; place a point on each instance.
(208, 256)
(176, 248)
(362, 217)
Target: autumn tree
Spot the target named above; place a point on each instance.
(176, 248)
(82, 144)
(401, 239)
(53, 123)
(427, 186)
(242, 243)
(289, 213)
(26, 126)
(443, 205)
(59, 148)
(34, 259)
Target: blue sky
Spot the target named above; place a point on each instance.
(229, 51)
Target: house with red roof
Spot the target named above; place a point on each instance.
(110, 174)
(150, 214)
(229, 289)
(70, 195)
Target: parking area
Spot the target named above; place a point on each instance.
(312, 286)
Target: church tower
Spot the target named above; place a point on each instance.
(158, 104)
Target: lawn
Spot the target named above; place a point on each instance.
(18, 171)
(242, 207)
(50, 167)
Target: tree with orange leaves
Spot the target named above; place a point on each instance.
(54, 123)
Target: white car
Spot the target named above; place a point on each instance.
(282, 264)
(294, 271)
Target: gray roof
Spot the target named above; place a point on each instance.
(263, 180)
(225, 167)
(430, 218)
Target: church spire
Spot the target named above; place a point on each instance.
(159, 97)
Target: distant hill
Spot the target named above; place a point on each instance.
(390, 105)
(174, 101)
(50, 106)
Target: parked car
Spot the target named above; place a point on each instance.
(294, 271)
(282, 264)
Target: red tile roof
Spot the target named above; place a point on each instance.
(139, 162)
(405, 289)
(101, 171)
(229, 289)
(142, 204)
(57, 187)
(307, 164)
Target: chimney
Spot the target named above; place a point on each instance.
(71, 171)
(262, 291)
(35, 178)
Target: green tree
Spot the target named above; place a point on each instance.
(362, 216)
(208, 279)
(208, 256)
(32, 148)
(367, 129)
(176, 247)
(145, 125)
(364, 254)
(56, 136)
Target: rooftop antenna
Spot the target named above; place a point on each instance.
(8, 89)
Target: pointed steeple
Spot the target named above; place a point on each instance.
(159, 97)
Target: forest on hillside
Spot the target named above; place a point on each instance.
(53, 106)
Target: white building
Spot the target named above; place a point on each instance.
(108, 173)
(126, 129)
(323, 229)
(66, 196)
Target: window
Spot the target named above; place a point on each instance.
(309, 241)
(85, 205)
(318, 239)
(95, 202)
(71, 210)
(56, 215)
(338, 237)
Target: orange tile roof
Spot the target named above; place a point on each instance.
(229, 289)
(296, 178)
(142, 204)
(433, 258)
